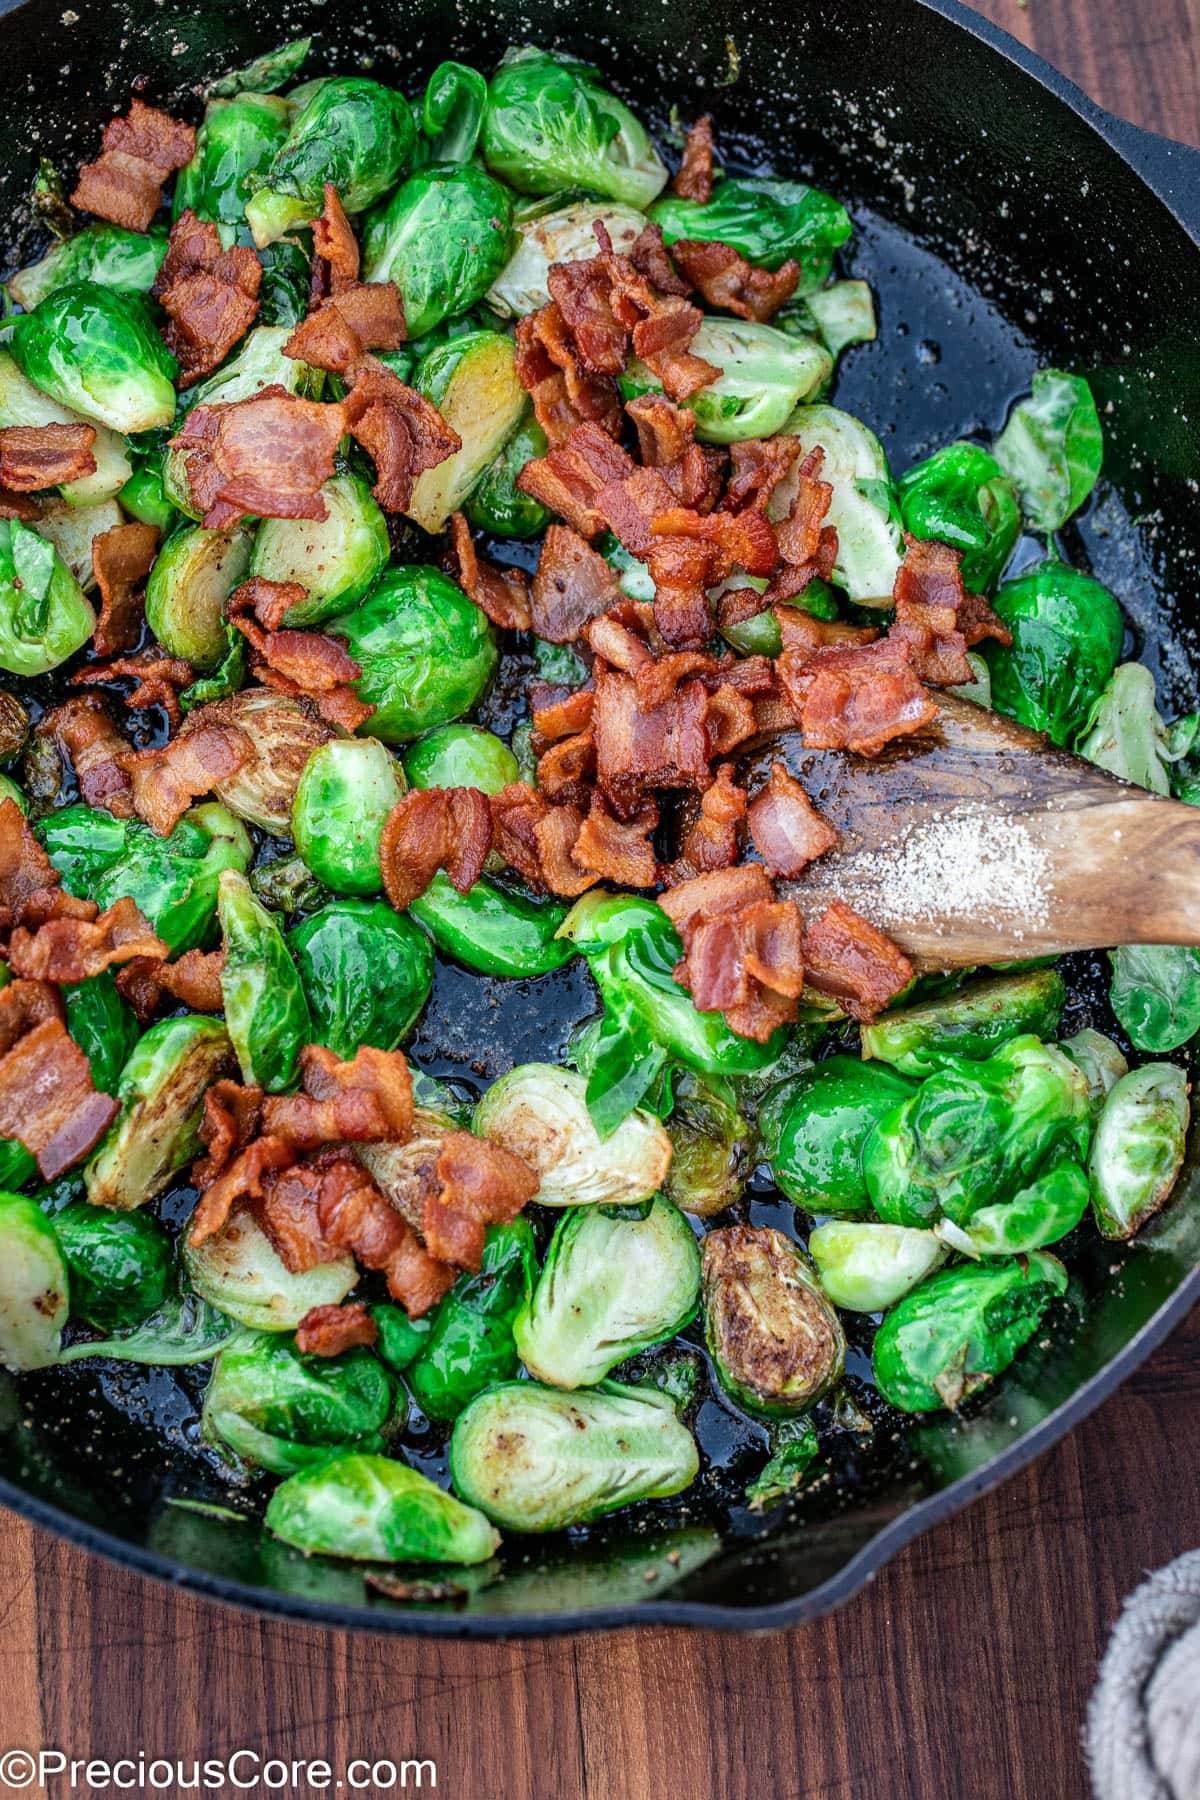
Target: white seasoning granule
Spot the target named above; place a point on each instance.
(955, 865)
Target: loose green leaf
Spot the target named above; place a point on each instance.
(1052, 448)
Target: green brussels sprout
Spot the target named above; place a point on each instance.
(348, 789)
(961, 496)
(33, 1286)
(280, 1410)
(119, 1265)
(1052, 447)
(567, 234)
(496, 504)
(470, 1345)
(108, 255)
(161, 1092)
(236, 140)
(71, 530)
(376, 1510)
(366, 973)
(1155, 993)
(1138, 1148)
(865, 1267)
(173, 880)
(10, 791)
(238, 1272)
(266, 1012)
(44, 617)
(970, 1022)
(443, 237)
(1067, 634)
(765, 375)
(794, 1444)
(766, 219)
(550, 125)
(102, 1025)
(193, 576)
(472, 380)
(537, 1459)
(350, 131)
(540, 1113)
(1125, 733)
(452, 112)
(840, 315)
(400, 1338)
(426, 652)
(813, 1129)
(283, 292)
(336, 558)
(760, 635)
(960, 1328)
(284, 734)
(493, 929)
(95, 350)
(21, 403)
(1041, 1213)
(973, 1134)
(1102, 1062)
(460, 756)
(712, 1146)
(863, 509)
(774, 1339)
(611, 1285)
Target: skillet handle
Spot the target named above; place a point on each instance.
(1170, 168)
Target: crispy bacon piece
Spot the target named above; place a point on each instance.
(558, 712)
(400, 431)
(360, 316)
(731, 719)
(681, 569)
(158, 681)
(616, 851)
(662, 340)
(29, 884)
(727, 280)
(724, 891)
(335, 249)
(24, 1004)
(664, 430)
(855, 697)
(648, 254)
(759, 465)
(629, 506)
(639, 748)
(431, 829)
(746, 539)
(365, 1100)
(166, 780)
(194, 979)
(479, 1184)
(43, 456)
(572, 584)
(25, 507)
(936, 617)
(612, 638)
(268, 455)
(570, 478)
(711, 842)
(124, 185)
(850, 960)
(85, 731)
(805, 541)
(69, 950)
(232, 1114)
(242, 1179)
(802, 631)
(693, 180)
(566, 770)
(269, 601)
(503, 594)
(209, 294)
(583, 293)
(742, 948)
(47, 1100)
(122, 557)
(787, 829)
(328, 1330)
(564, 394)
(306, 665)
(536, 839)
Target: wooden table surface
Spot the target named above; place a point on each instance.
(961, 1673)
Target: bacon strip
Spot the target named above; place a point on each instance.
(616, 851)
(643, 747)
(69, 950)
(243, 1179)
(84, 729)
(209, 294)
(366, 1100)
(564, 394)
(304, 664)
(855, 697)
(787, 829)
(503, 594)
(536, 839)
(138, 153)
(400, 431)
(158, 681)
(268, 455)
(936, 617)
(122, 558)
(329, 1330)
(29, 884)
(334, 244)
(571, 585)
(693, 180)
(166, 780)
(711, 843)
(44, 456)
(431, 829)
(47, 1100)
(194, 979)
(850, 960)
(572, 475)
(727, 280)
(742, 949)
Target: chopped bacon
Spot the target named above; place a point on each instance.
(639, 748)
(583, 294)
(166, 780)
(565, 771)
(158, 681)
(572, 584)
(648, 254)
(731, 719)
(559, 712)
(24, 1004)
(365, 1100)
(29, 884)
(47, 1100)
(745, 539)
(400, 431)
(711, 842)
(209, 294)
(232, 1115)
(693, 180)
(664, 430)
(630, 505)
(124, 185)
(936, 617)
(416, 1279)
(570, 478)
(759, 465)
(269, 601)
(479, 1184)
(681, 569)
(611, 638)
(431, 829)
(44, 456)
(69, 950)
(850, 960)
(241, 1179)
(194, 980)
(25, 507)
(851, 697)
(661, 677)
(800, 630)
(787, 830)
(662, 340)
(361, 316)
(503, 594)
(122, 557)
(536, 839)
(268, 455)
(334, 244)
(84, 729)
(742, 948)
(304, 665)
(722, 891)
(616, 851)
(697, 478)
(727, 280)
(564, 394)
(329, 1330)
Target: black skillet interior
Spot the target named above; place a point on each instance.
(999, 231)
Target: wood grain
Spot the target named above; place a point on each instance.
(962, 1673)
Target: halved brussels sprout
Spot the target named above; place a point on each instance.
(443, 237)
(426, 652)
(106, 254)
(71, 530)
(766, 374)
(238, 1272)
(565, 235)
(713, 1146)
(766, 219)
(21, 403)
(366, 971)
(352, 132)
(44, 617)
(460, 756)
(335, 558)
(814, 1126)
(775, 1341)
(377, 1510)
(1067, 633)
(10, 791)
(348, 788)
(193, 576)
(611, 1285)
(472, 380)
(866, 1267)
(284, 733)
(1102, 1062)
(1138, 1148)
(1045, 1210)
(266, 1013)
(95, 350)
(236, 139)
(971, 1022)
(119, 1265)
(161, 1091)
(33, 1286)
(863, 509)
(496, 504)
(470, 1344)
(277, 1409)
(538, 1459)
(540, 1113)
(494, 929)
(961, 496)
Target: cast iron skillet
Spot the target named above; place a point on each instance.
(1004, 221)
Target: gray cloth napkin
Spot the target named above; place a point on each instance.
(1143, 1729)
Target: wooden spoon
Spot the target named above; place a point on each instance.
(978, 841)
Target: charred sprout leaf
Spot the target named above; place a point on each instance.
(962, 1327)
(970, 1023)
(366, 972)
(279, 1410)
(712, 1145)
(235, 142)
(765, 375)
(49, 200)
(238, 1272)
(348, 788)
(336, 559)
(286, 884)
(14, 727)
(21, 403)
(44, 617)
(1067, 634)
(863, 510)
(1047, 1209)
(611, 1285)
(472, 380)
(793, 1448)
(283, 291)
(1052, 448)
(767, 220)
(265, 1009)
(1138, 1149)
(377, 1510)
(161, 1092)
(349, 131)
(865, 1267)
(1124, 732)
(266, 73)
(538, 1459)
(567, 234)
(814, 1126)
(119, 1265)
(452, 115)
(95, 350)
(962, 497)
(283, 734)
(184, 1330)
(106, 254)
(495, 504)
(550, 125)
(470, 1344)
(1102, 1062)
(460, 756)
(193, 576)
(775, 1341)
(102, 1025)
(225, 680)
(494, 929)
(540, 1112)
(672, 1370)
(33, 1286)
(1155, 993)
